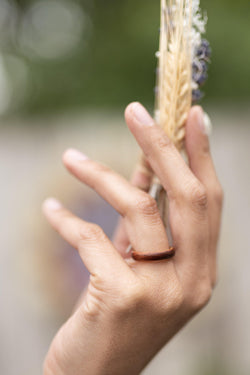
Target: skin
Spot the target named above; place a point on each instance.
(131, 309)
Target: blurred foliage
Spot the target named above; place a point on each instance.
(214, 367)
(115, 62)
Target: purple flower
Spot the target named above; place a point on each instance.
(197, 95)
(204, 51)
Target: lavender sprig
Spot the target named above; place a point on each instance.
(201, 59)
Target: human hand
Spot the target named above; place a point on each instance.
(131, 309)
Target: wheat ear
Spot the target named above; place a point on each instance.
(181, 69)
(174, 95)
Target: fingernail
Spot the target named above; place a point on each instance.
(203, 120)
(208, 124)
(75, 155)
(142, 115)
(52, 204)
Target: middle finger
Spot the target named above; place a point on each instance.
(141, 178)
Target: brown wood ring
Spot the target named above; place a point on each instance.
(170, 253)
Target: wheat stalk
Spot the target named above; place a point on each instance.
(180, 38)
(182, 67)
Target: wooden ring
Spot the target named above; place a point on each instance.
(168, 254)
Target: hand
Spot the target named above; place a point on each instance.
(131, 309)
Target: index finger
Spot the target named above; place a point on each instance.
(161, 153)
(95, 249)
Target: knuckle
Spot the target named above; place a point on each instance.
(146, 205)
(201, 297)
(159, 142)
(163, 142)
(91, 232)
(198, 197)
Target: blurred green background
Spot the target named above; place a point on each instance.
(63, 55)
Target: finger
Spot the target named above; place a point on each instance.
(144, 225)
(187, 196)
(95, 249)
(160, 152)
(141, 178)
(120, 238)
(142, 175)
(201, 163)
(198, 149)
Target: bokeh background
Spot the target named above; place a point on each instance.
(68, 68)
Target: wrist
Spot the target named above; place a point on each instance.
(102, 346)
